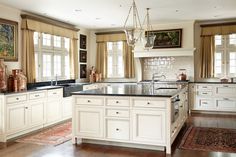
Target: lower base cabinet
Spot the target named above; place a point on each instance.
(90, 122)
(149, 126)
(36, 114)
(17, 117)
(53, 111)
(67, 107)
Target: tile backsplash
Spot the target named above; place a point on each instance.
(169, 66)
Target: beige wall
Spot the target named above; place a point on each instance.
(14, 15)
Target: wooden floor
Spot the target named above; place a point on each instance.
(13, 149)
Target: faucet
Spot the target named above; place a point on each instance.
(156, 75)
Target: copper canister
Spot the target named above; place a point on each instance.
(10, 83)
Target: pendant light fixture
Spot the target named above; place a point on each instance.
(133, 33)
(149, 36)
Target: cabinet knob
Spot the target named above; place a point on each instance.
(117, 129)
(89, 101)
(117, 102)
(17, 98)
(26, 107)
(148, 103)
(181, 106)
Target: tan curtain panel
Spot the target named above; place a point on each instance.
(74, 59)
(218, 30)
(101, 60)
(28, 57)
(111, 37)
(128, 61)
(207, 54)
(48, 28)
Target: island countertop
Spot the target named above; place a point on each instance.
(158, 90)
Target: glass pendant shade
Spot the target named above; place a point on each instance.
(149, 41)
(150, 37)
(132, 36)
(134, 32)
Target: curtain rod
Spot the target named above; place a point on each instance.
(49, 21)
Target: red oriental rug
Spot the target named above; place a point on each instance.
(52, 136)
(209, 139)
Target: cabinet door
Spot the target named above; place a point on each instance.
(226, 104)
(149, 126)
(67, 107)
(53, 110)
(89, 122)
(36, 114)
(16, 118)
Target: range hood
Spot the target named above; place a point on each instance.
(164, 52)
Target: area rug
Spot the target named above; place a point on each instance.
(52, 136)
(209, 139)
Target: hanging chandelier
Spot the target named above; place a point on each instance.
(134, 33)
(149, 35)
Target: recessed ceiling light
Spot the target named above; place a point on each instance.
(98, 18)
(78, 10)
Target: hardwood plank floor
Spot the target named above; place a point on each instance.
(13, 149)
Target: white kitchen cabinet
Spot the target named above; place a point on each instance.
(67, 107)
(215, 97)
(17, 117)
(149, 126)
(89, 122)
(36, 113)
(54, 106)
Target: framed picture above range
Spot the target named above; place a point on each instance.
(8, 40)
(171, 38)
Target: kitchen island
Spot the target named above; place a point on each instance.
(137, 115)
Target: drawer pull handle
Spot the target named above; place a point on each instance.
(117, 112)
(204, 93)
(148, 103)
(204, 87)
(89, 101)
(17, 98)
(26, 107)
(225, 86)
(181, 106)
(226, 98)
(117, 102)
(117, 129)
(54, 93)
(37, 95)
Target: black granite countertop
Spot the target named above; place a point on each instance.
(159, 90)
(32, 90)
(213, 82)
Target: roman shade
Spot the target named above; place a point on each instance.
(114, 37)
(218, 30)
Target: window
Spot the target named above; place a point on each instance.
(115, 62)
(225, 55)
(51, 57)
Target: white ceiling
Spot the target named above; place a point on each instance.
(104, 14)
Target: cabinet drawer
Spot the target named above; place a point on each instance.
(55, 93)
(117, 113)
(226, 104)
(117, 102)
(117, 129)
(205, 93)
(96, 101)
(204, 87)
(16, 98)
(37, 95)
(226, 90)
(205, 103)
(149, 103)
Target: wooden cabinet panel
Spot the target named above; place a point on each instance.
(89, 122)
(149, 126)
(117, 129)
(36, 114)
